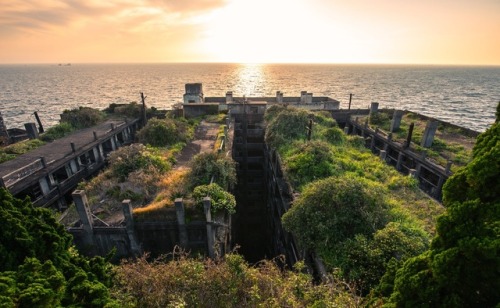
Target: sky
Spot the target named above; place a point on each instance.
(451, 32)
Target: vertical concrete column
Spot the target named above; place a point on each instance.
(31, 130)
(210, 232)
(4, 134)
(383, 155)
(373, 107)
(82, 207)
(129, 224)
(448, 167)
(400, 161)
(372, 143)
(413, 173)
(181, 221)
(396, 120)
(346, 130)
(430, 131)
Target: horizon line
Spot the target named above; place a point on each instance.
(262, 63)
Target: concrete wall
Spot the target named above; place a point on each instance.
(195, 110)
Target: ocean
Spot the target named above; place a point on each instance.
(466, 96)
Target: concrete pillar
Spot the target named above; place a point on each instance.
(400, 161)
(82, 207)
(229, 97)
(396, 120)
(448, 167)
(413, 173)
(4, 134)
(95, 136)
(129, 224)
(383, 155)
(181, 221)
(31, 130)
(44, 185)
(346, 130)
(279, 97)
(210, 232)
(372, 143)
(430, 131)
(373, 107)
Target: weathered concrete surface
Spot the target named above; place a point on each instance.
(204, 141)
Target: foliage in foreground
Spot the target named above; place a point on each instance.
(462, 267)
(226, 283)
(39, 268)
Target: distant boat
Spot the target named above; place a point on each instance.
(67, 64)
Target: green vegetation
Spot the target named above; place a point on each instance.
(12, 151)
(134, 172)
(231, 282)
(38, 266)
(221, 200)
(166, 132)
(450, 142)
(82, 117)
(57, 131)
(461, 268)
(361, 216)
(204, 166)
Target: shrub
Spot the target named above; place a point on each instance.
(82, 117)
(58, 131)
(379, 119)
(221, 199)
(132, 158)
(287, 125)
(334, 209)
(204, 166)
(229, 282)
(165, 132)
(334, 135)
(309, 161)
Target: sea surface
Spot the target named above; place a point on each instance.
(466, 96)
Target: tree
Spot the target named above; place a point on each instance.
(38, 266)
(462, 267)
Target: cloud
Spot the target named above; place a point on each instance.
(41, 15)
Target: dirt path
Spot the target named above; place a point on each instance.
(204, 140)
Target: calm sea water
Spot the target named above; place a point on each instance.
(466, 96)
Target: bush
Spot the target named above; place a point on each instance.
(309, 161)
(58, 131)
(379, 118)
(221, 199)
(38, 266)
(334, 209)
(165, 132)
(82, 117)
(287, 125)
(230, 282)
(132, 158)
(334, 135)
(204, 166)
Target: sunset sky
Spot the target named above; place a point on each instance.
(251, 31)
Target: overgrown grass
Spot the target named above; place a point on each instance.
(319, 170)
(450, 143)
(12, 151)
(229, 282)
